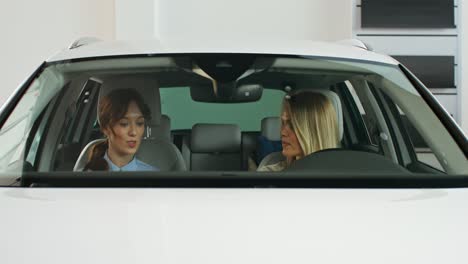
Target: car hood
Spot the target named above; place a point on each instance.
(78, 225)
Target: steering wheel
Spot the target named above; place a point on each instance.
(347, 161)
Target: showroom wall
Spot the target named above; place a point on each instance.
(295, 19)
(134, 19)
(32, 31)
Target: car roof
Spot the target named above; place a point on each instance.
(92, 48)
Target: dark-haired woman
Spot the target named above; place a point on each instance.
(121, 114)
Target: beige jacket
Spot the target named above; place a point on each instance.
(274, 167)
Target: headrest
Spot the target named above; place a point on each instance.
(335, 99)
(209, 138)
(147, 87)
(271, 127)
(163, 130)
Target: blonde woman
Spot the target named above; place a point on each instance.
(308, 124)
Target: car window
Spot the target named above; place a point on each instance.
(368, 117)
(22, 131)
(392, 133)
(424, 152)
(247, 116)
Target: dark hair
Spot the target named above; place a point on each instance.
(112, 108)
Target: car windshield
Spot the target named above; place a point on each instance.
(194, 113)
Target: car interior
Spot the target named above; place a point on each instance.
(377, 134)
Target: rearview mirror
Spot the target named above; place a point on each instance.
(226, 92)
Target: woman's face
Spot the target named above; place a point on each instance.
(125, 135)
(291, 146)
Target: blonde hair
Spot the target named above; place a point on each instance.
(314, 121)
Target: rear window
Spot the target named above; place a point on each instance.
(247, 116)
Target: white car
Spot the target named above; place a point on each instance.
(393, 191)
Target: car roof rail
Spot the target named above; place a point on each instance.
(83, 42)
(356, 43)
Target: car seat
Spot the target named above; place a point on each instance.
(156, 148)
(215, 147)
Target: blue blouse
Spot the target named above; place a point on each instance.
(133, 165)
